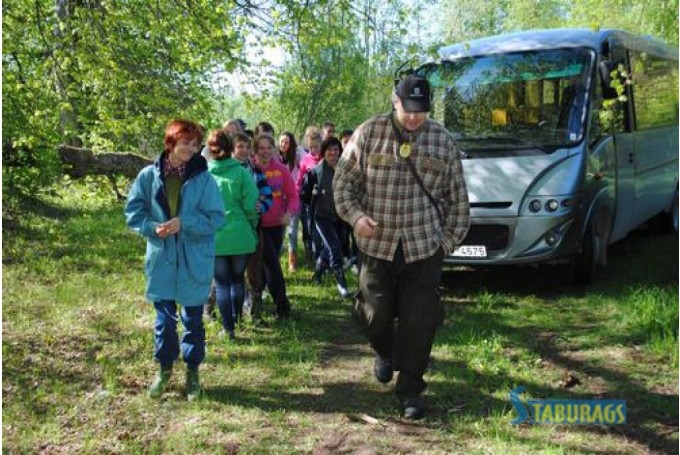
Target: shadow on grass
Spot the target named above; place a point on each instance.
(338, 397)
(652, 416)
(38, 207)
(645, 408)
(79, 239)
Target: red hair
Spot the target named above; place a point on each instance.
(181, 129)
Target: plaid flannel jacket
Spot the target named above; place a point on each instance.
(372, 179)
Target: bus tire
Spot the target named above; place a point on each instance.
(673, 214)
(585, 260)
(667, 222)
(671, 217)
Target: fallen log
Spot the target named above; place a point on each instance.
(79, 162)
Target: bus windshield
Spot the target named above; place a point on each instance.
(517, 101)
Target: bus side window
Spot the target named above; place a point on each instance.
(607, 116)
(595, 132)
(655, 82)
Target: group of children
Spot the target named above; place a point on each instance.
(212, 218)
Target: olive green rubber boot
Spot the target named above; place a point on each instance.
(193, 384)
(158, 386)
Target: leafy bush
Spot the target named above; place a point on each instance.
(30, 171)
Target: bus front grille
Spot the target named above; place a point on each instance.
(493, 236)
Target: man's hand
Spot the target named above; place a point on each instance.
(365, 226)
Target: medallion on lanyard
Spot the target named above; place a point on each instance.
(405, 150)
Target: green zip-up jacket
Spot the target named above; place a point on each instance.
(239, 194)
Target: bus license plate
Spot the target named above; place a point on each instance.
(470, 251)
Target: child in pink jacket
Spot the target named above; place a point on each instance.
(274, 222)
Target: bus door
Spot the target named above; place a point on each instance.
(625, 186)
(611, 164)
(613, 118)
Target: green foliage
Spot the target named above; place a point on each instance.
(340, 65)
(109, 77)
(468, 19)
(658, 19)
(29, 123)
(27, 171)
(611, 114)
(105, 76)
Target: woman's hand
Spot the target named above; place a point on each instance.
(170, 227)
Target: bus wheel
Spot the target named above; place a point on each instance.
(667, 222)
(671, 218)
(673, 214)
(585, 260)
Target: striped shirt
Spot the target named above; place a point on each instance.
(371, 179)
(266, 199)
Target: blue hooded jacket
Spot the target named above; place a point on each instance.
(179, 267)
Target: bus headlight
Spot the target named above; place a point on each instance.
(549, 205)
(552, 237)
(552, 205)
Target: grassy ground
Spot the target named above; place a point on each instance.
(77, 343)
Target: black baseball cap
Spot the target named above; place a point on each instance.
(414, 93)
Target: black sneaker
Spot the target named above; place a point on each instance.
(382, 368)
(413, 408)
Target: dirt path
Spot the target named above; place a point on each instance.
(358, 415)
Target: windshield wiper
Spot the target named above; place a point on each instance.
(486, 137)
(548, 148)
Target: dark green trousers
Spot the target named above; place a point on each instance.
(399, 309)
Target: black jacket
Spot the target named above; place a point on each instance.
(317, 190)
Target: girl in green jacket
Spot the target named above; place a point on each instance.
(237, 238)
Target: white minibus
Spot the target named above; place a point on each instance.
(569, 141)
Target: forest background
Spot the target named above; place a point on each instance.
(108, 75)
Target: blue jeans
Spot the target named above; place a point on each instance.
(166, 341)
(229, 283)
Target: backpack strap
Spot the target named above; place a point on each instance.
(413, 170)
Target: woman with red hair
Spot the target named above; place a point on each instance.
(176, 206)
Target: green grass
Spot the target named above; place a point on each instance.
(77, 346)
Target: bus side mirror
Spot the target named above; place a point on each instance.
(606, 68)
